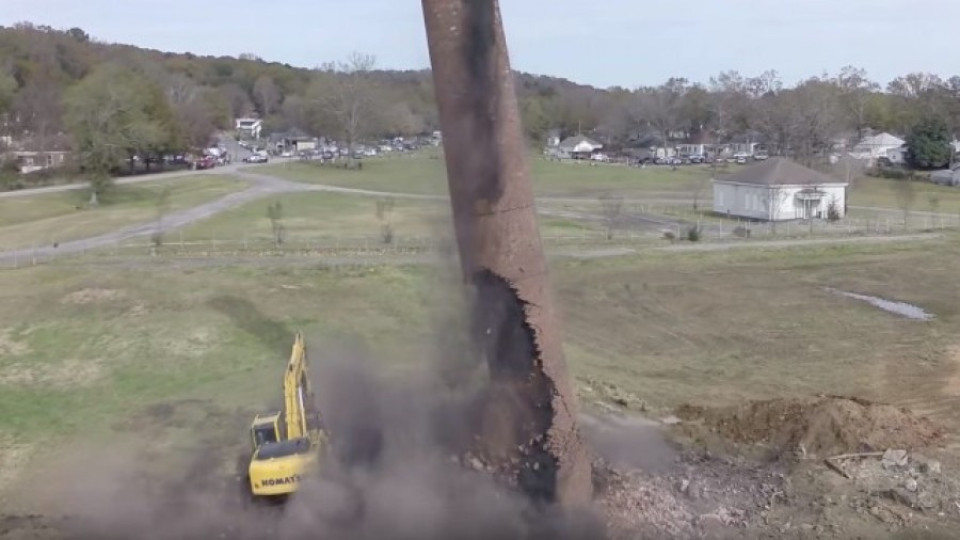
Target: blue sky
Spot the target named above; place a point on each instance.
(601, 42)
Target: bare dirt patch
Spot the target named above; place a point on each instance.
(93, 296)
(138, 310)
(194, 344)
(13, 457)
(60, 375)
(10, 346)
(821, 426)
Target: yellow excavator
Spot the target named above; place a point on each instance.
(287, 444)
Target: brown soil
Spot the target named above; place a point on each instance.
(821, 426)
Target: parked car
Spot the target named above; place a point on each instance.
(761, 156)
(256, 158)
(206, 162)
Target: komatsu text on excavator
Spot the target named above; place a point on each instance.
(287, 444)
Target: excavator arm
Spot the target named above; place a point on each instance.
(296, 391)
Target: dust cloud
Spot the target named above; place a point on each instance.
(402, 464)
(407, 459)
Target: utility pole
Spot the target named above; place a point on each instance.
(530, 420)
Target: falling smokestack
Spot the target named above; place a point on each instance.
(530, 419)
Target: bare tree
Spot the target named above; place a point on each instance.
(906, 197)
(179, 88)
(267, 95)
(855, 92)
(37, 108)
(237, 99)
(699, 185)
(385, 217)
(775, 199)
(611, 207)
(275, 215)
(162, 205)
(660, 107)
(850, 169)
(345, 95)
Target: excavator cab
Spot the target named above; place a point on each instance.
(266, 429)
(287, 444)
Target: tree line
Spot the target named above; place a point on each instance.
(114, 102)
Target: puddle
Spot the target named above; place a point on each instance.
(902, 309)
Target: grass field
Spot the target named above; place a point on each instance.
(59, 217)
(425, 173)
(330, 216)
(884, 193)
(91, 354)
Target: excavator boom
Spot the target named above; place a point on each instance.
(296, 390)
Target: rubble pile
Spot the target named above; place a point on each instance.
(817, 427)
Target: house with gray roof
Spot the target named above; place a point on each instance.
(579, 146)
(779, 189)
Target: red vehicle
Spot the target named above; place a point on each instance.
(206, 162)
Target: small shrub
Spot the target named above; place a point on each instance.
(833, 213)
(386, 233)
(741, 232)
(694, 233)
(670, 236)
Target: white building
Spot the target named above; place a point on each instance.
(579, 146)
(883, 145)
(249, 127)
(779, 190)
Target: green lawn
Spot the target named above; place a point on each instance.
(885, 193)
(335, 219)
(425, 173)
(59, 217)
(315, 216)
(161, 354)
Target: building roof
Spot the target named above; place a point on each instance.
(779, 171)
(882, 139)
(577, 140)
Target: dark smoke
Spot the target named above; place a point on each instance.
(402, 466)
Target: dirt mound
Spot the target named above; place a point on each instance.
(821, 426)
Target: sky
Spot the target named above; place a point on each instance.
(605, 43)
